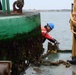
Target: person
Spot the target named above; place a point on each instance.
(44, 32)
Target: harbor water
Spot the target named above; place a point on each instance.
(61, 32)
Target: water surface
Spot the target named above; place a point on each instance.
(61, 32)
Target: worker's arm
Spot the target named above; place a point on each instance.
(47, 36)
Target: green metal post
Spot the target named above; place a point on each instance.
(3, 6)
(8, 6)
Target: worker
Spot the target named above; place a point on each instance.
(45, 30)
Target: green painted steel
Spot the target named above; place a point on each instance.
(12, 25)
(8, 6)
(3, 6)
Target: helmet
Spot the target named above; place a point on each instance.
(51, 25)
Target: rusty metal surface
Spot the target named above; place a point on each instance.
(53, 69)
(5, 67)
(19, 4)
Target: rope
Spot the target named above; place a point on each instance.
(72, 23)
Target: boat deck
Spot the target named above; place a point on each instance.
(53, 70)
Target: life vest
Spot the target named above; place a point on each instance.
(45, 34)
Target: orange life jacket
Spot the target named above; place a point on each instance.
(46, 35)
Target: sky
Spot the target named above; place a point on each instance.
(45, 4)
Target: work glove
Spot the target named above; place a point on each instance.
(56, 42)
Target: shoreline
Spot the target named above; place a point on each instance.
(51, 10)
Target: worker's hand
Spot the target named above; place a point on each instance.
(56, 42)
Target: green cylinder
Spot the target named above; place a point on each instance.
(3, 6)
(8, 6)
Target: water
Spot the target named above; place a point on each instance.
(61, 31)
